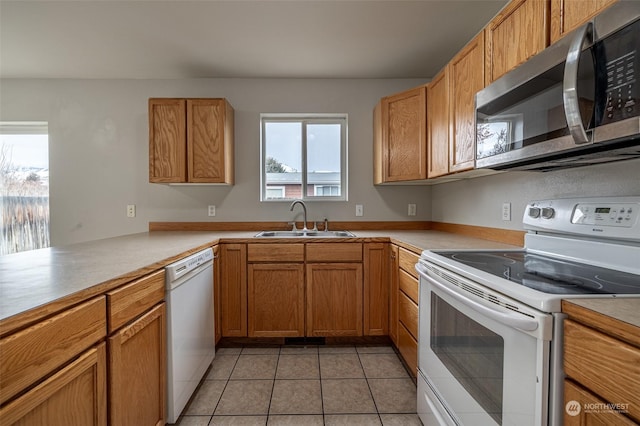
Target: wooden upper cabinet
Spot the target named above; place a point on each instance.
(517, 33)
(209, 141)
(567, 15)
(400, 142)
(438, 124)
(190, 140)
(466, 78)
(167, 138)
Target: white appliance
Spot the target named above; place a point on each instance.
(490, 350)
(190, 327)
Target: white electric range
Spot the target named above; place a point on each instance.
(490, 321)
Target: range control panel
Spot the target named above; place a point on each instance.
(624, 215)
(601, 217)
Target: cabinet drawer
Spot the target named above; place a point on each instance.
(408, 261)
(31, 354)
(334, 252)
(616, 379)
(408, 347)
(408, 314)
(131, 300)
(409, 285)
(275, 252)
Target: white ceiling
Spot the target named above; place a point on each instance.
(236, 38)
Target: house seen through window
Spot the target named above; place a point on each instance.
(24, 186)
(303, 157)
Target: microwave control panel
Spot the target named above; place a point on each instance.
(620, 54)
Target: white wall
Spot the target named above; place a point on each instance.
(479, 201)
(98, 149)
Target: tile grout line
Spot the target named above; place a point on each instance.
(369, 386)
(225, 386)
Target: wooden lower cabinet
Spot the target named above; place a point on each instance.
(276, 300)
(334, 299)
(233, 289)
(577, 401)
(408, 347)
(376, 290)
(394, 269)
(74, 396)
(137, 371)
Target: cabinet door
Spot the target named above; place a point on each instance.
(404, 153)
(376, 290)
(233, 289)
(334, 299)
(137, 371)
(208, 127)
(438, 125)
(167, 139)
(517, 33)
(394, 269)
(74, 396)
(576, 398)
(276, 300)
(466, 78)
(567, 15)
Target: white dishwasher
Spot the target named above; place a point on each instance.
(190, 327)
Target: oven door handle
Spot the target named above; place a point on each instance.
(510, 320)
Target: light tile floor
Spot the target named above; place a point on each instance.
(311, 385)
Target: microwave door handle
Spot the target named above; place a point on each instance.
(570, 85)
(510, 320)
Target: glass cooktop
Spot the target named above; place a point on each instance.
(549, 275)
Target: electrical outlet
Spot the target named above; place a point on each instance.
(212, 211)
(359, 210)
(506, 211)
(412, 210)
(131, 210)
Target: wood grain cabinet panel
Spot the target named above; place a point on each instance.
(517, 33)
(131, 300)
(438, 124)
(334, 252)
(76, 395)
(233, 289)
(137, 371)
(31, 354)
(334, 299)
(288, 252)
(576, 396)
(408, 314)
(617, 380)
(408, 347)
(376, 290)
(276, 300)
(394, 269)
(567, 15)
(409, 285)
(167, 137)
(400, 140)
(408, 261)
(210, 141)
(191, 140)
(466, 78)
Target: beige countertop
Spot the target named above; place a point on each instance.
(65, 275)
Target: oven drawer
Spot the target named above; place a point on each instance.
(409, 285)
(607, 366)
(408, 314)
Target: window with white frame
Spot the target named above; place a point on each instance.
(303, 156)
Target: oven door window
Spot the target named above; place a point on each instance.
(472, 353)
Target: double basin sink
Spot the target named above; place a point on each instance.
(304, 234)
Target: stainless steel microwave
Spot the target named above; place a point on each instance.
(575, 103)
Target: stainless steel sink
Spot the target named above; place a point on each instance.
(304, 234)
